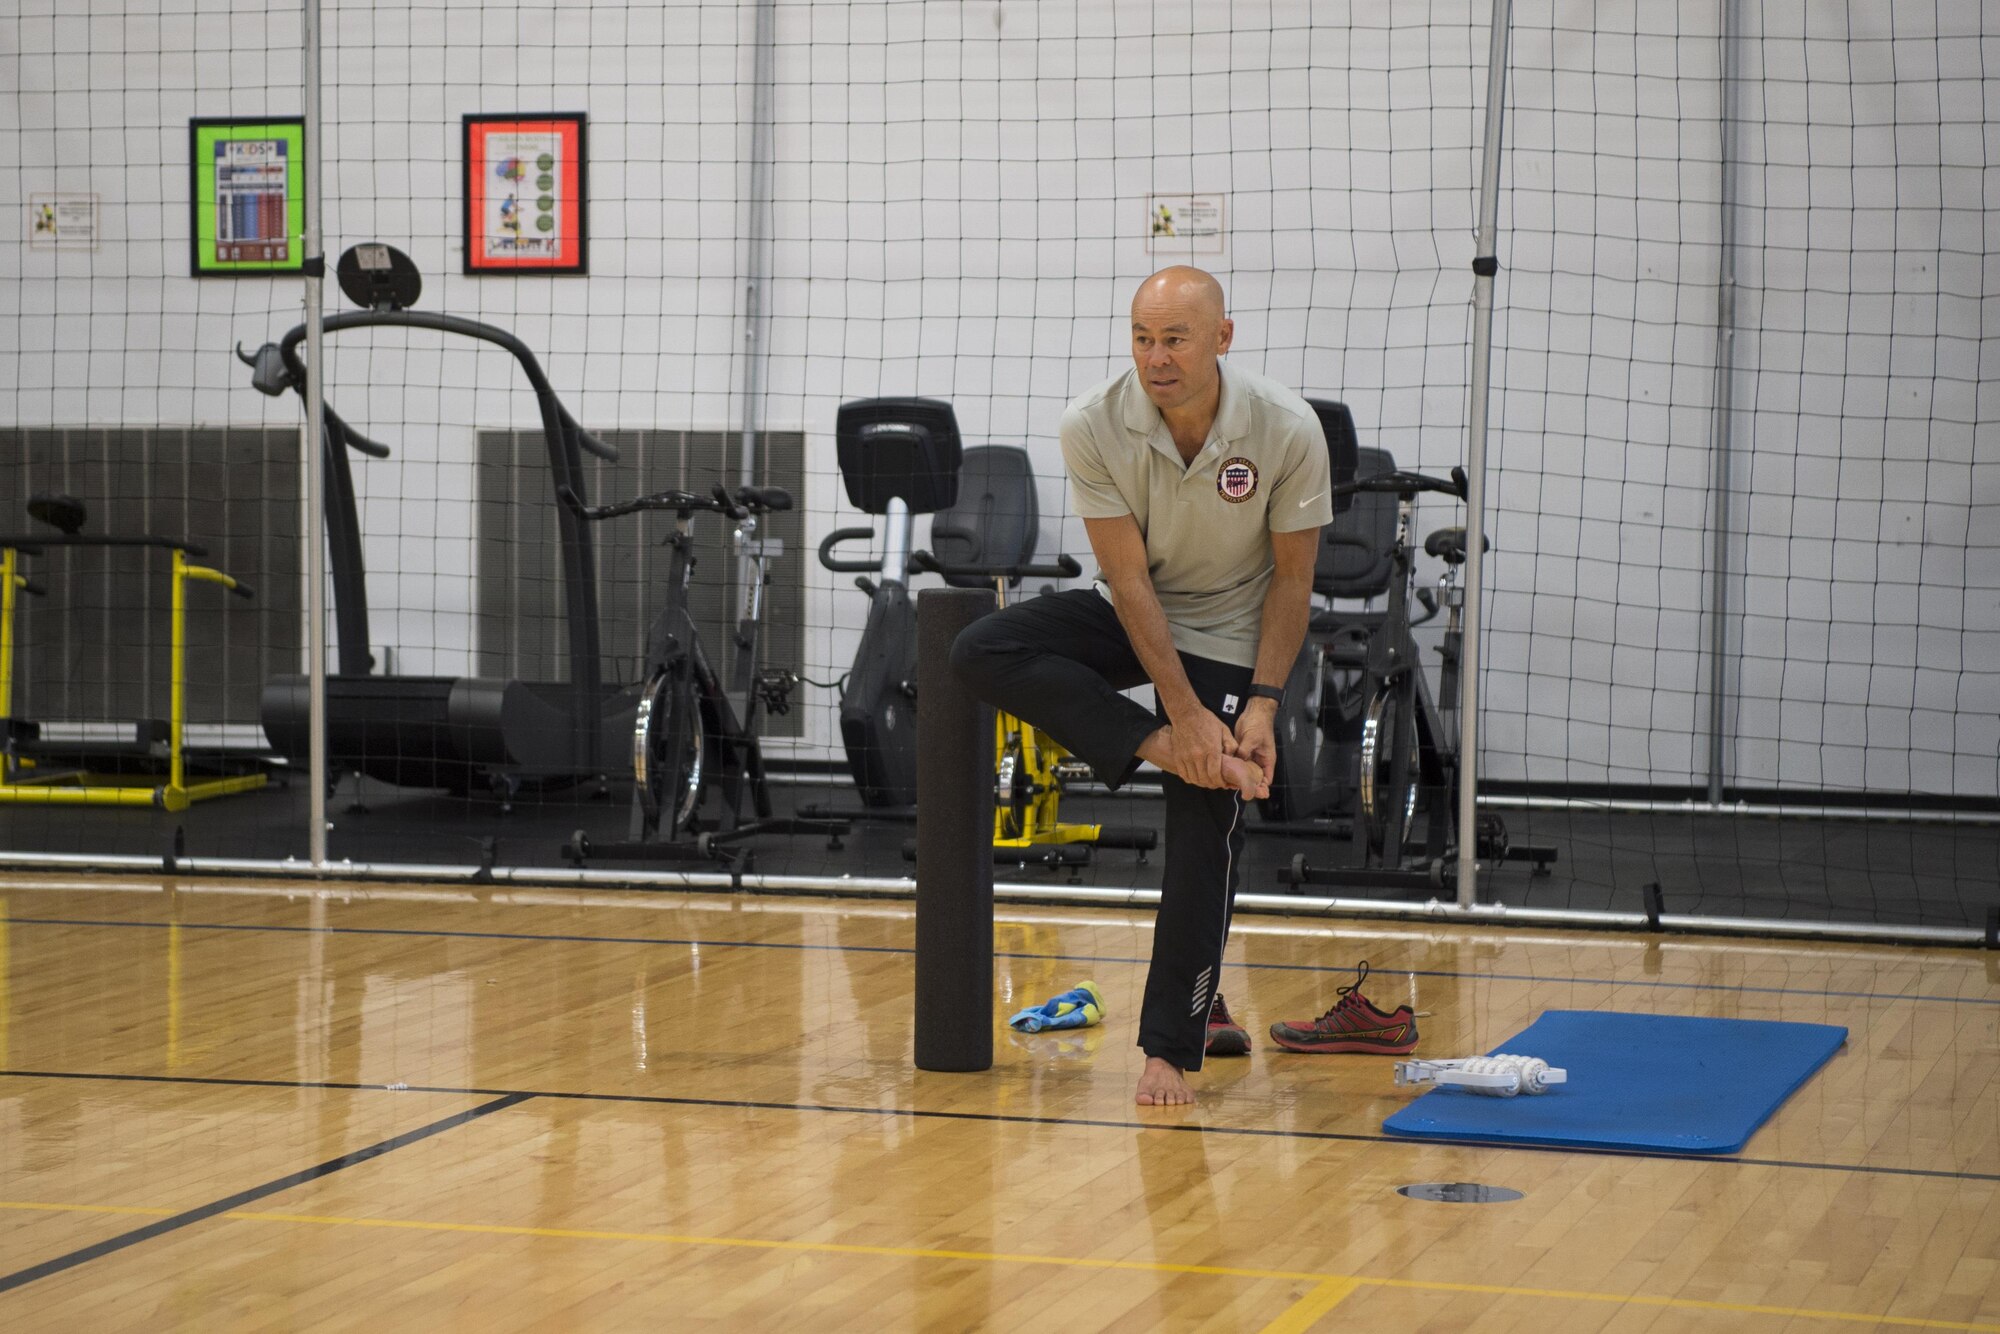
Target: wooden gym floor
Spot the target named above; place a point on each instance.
(258, 1105)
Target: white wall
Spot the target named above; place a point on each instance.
(1871, 579)
(960, 191)
(1603, 367)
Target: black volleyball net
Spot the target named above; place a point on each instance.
(1742, 579)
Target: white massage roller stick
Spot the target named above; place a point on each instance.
(1491, 1076)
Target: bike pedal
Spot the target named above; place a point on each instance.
(1074, 771)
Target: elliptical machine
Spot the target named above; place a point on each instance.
(899, 458)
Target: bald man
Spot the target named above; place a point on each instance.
(1203, 489)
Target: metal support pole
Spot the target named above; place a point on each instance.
(1485, 264)
(757, 228)
(315, 516)
(756, 265)
(954, 967)
(1725, 406)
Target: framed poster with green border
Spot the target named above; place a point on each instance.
(248, 194)
(527, 205)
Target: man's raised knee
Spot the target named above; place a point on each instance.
(972, 653)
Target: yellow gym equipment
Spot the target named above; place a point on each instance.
(1029, 773)
(39, 771)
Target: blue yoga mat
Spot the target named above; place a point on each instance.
(1636, 1081)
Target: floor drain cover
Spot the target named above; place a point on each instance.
(1458, 1192)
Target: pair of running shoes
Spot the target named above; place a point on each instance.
(1353, 1024)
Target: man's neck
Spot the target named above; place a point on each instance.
(1190, 424)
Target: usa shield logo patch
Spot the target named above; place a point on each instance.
(1236, 480)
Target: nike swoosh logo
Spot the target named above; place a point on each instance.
(1309, 500)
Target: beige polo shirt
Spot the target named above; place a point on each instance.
(1207, 524)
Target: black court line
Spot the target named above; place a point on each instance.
(1006, 1118)
(21, 1277)
(1341, 969)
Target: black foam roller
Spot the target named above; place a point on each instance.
(954, 988)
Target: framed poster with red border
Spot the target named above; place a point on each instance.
(526, 194)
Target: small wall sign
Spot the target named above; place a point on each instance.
(62, 221)
(1185, 224)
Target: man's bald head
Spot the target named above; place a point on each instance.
(1182, 285)
(1179, 333)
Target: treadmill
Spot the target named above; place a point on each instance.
(443, 731)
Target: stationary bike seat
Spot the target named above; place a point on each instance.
(1449, 544)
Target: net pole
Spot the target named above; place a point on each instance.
(314, 469)
(1725, 404)
(756, 272)
(1485, 265)
(756, 227)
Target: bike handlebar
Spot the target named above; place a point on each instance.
(1064, 567)
(745, 501)
(352, 438)
(834, 539)
(1404, 483)
(590, 443)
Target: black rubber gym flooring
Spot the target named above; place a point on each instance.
(1804, 869)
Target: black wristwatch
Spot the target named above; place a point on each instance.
(1276, 694)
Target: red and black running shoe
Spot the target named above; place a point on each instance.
(1226, 1037)
(1353, 1024)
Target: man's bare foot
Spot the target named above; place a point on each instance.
(1247, 778)
(1162, 1085)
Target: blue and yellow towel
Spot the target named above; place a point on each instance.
(1080, 1007)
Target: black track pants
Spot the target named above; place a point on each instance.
(1058, 662)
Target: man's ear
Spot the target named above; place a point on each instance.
(1225, 332)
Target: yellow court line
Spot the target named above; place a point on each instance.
(1307, 1310)
(1325, 1281)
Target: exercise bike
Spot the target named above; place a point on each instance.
(989, 537)
(689, 737)
(899, 457)
(1353, 562)
(1370, 693)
